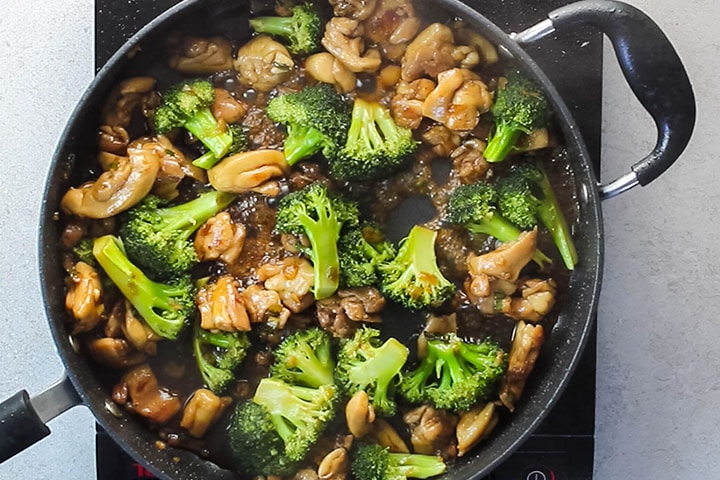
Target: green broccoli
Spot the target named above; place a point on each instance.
(317, 119)
(304, 358)
(166, 307)
(475, 206)
(239, 144)
(302, 31)
(454, 374)
(256, 444)
(519, 107)
(362, 250)
(157, 238)
(374, 462)
(299, 414)
(187, 105)
(376, 146)
(525, 195)
(413, 277)
(217, 355)
(320, 216)
(83, 251)
(366, 364)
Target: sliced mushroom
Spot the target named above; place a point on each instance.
(458, 100)
(474, 426)
(127, 96)
(137, 331)
(344, 40)
(335, 465)
(200, 56)
(527, 341)
(119, 188)
(248, 171)
(388, 437)
(84, 298)
(359, 414)
(114, 352)
(262, 63)
(202, 411)
(113, 139)
(356, 9)
(324, 67)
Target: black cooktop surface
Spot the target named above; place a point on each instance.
(562, 447)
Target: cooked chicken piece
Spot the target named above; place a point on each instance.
(458, 100)
(222, 306)
(84, 299)
(335, 465)
(527, 342)
(118, 188)
(442, 139)
(113, 139)
(248, 171)
(114, 352)
(265, 306)
(342, 313)
(384, 434)
(202, 410)
(199, 56)
(486, 50)
(126, 97)
(468, 162)
(506, 261)
(124, 323)
(432, 431)
(536, 300)
(219, 238)
(359, 414)
(139, 391)
(433, 51)
(324, 67)
(407, 103)
(344, 40)
(392, 25)
(292, 278)
(355, 9)
(174, 167)
(226, 108)
(263, 63)
(474, 426)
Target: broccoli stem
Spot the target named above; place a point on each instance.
(380, 370)
(502, 143)
(144, 294)
(205, 127)
(280, 26)
(496, 226)
(416, 465)
(206, 161)
(323, 235)
(302, 142)
(551, 216)
(189, 216)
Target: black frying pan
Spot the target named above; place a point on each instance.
(651, 67)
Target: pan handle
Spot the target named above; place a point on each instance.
(651, 67)
(23, 419)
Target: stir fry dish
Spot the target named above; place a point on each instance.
(329, 248)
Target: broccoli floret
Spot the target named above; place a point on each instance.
(320, 216)
(362, 250)
(519, 107)
(525, 195)
(374, 462)
(217, 355)
(454, 374)
(239, 144)
(157, 238)
(299, 414)
(166, 307)
(376, 146)
(255, 443)
(413, 277)
(187, 105)
(83, 251)
(302, 31)
(305, 358)
(475, 206)
(366, 364)
(317, 119)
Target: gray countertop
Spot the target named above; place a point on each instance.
(657, 358)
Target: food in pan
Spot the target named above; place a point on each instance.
(332, 248)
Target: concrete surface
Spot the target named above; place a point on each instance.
(657, 388)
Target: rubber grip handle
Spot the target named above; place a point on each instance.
(653, 70)
(20, 425)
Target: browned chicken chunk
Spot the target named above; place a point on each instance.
(527, 342)
(432, 431)
(140, 393)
